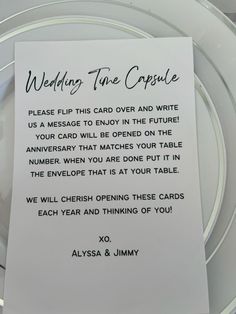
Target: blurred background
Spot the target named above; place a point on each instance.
(227, 6)
(11, 7)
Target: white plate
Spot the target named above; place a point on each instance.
(215, 50)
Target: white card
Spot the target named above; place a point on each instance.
(106, 211)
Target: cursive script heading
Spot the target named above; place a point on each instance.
(100, 78)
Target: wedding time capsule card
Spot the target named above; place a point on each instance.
(106, 213)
